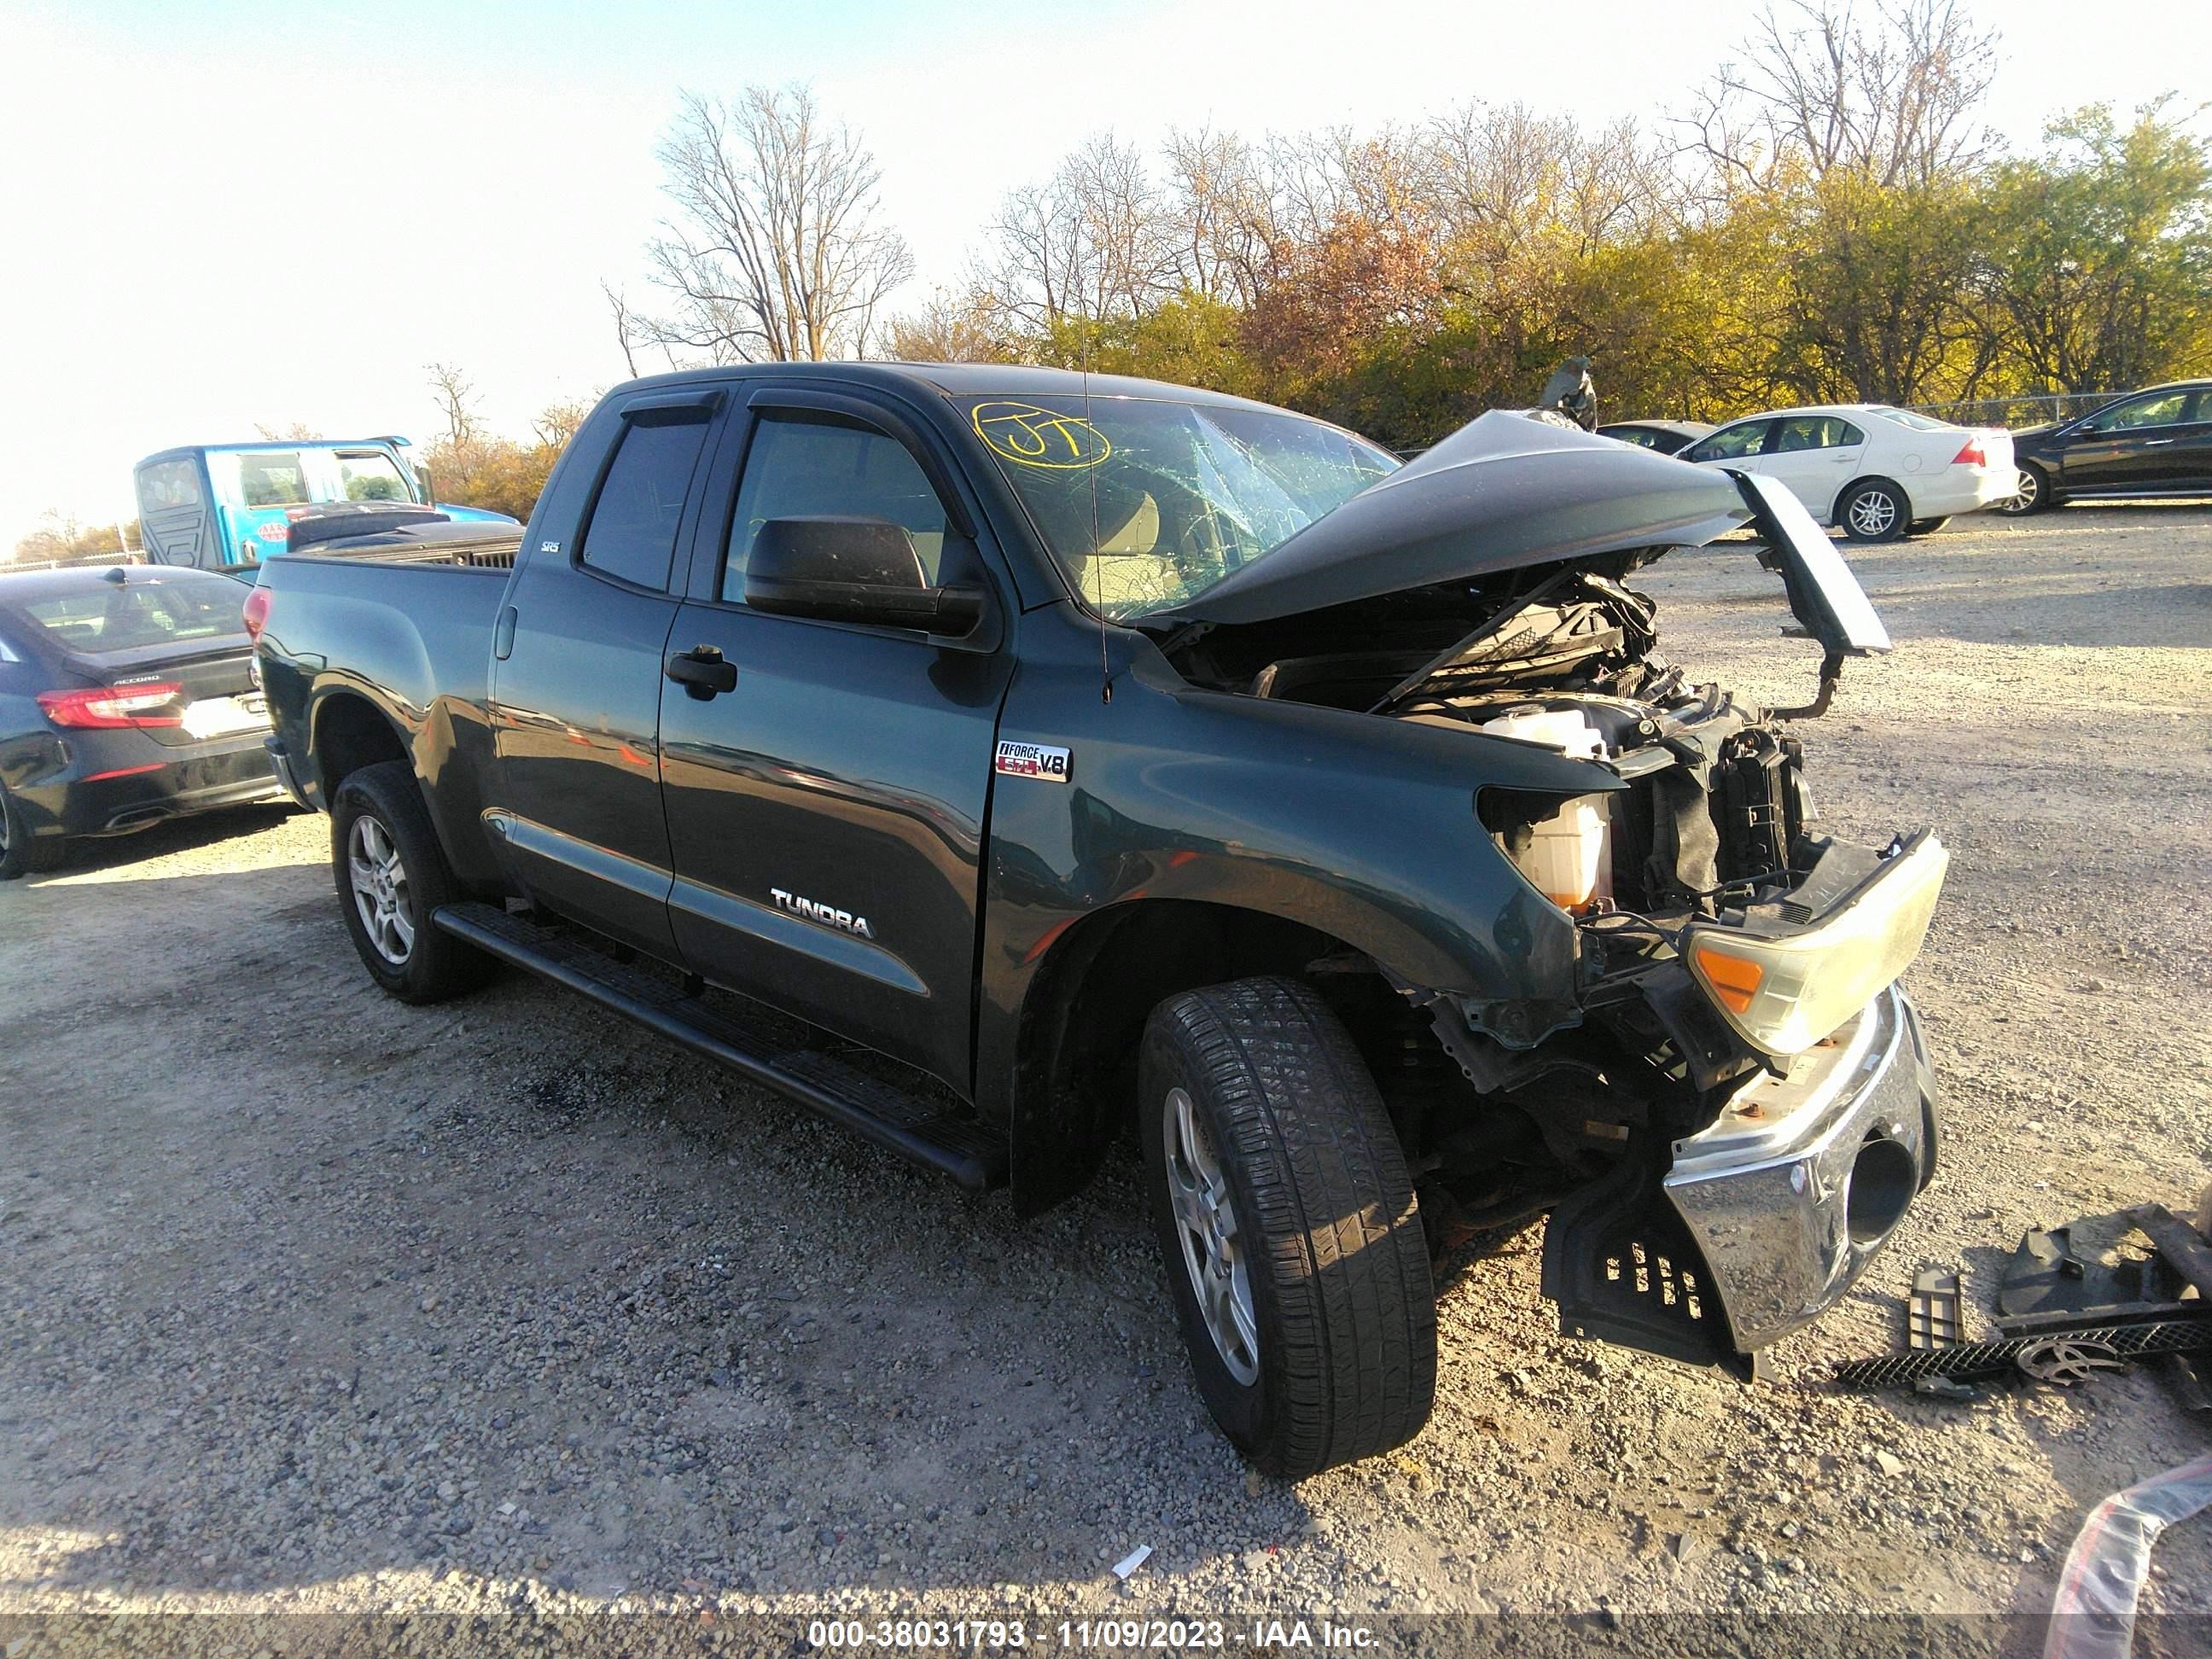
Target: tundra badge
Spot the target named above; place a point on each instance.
(1032, 760)
(828, 914)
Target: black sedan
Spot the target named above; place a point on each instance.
(2150, 443)
(127, 697)
(1668, 437)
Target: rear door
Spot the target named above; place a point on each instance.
(176, 521)
(2191, 459)
(1814, 455)
(576, 670)
(826, 813)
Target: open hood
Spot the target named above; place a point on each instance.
(1504, 491)
(1510, 490)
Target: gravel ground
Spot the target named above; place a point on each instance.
(313, 1301)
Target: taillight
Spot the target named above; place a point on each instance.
(110, 706)
(1972, 455)
(256, 613)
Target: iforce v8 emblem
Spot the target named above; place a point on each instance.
(1032, 760)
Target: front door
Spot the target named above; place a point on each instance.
(826, 811)
(577, 667)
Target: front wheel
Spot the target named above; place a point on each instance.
(1289, 1226)
(1875, 511)
(391, 877)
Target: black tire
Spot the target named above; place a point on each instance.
(23, 853)
(418, 963)
(1874, 510)
(2034, 493)
(1342, 1312)
(1926, 526)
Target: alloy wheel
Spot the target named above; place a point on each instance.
(379, 889)
(1873, 512)
(1212, 1246)
(2024, 499)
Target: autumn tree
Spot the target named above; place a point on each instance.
(2095, 258)
(777, 249)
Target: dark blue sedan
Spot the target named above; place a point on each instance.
(127, 697)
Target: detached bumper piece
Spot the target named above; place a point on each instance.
(2061, 1348)
(1760, 1221)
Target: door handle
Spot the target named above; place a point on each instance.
(502, 634)
(702, 672)
(2155, 443)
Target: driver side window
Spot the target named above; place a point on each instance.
(1730, 443)
(805, 465)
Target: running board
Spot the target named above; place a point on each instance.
(879, 1111)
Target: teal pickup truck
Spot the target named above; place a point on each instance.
(225, 507)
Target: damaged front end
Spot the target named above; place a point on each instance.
(1731, 1113)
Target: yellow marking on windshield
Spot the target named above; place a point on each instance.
(1029, 436)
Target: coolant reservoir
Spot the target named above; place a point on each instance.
(1568, 857)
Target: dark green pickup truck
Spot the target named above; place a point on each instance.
(996, 760)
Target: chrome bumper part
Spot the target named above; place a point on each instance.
(1799, 1181)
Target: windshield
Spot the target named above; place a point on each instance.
(1146, 503)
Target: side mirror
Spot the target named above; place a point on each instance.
(832, 568)
(423, 483)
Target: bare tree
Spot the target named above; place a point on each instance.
(1094, 239)
(1816, 91)
(456, 401)
(1222, 221)
(557, 422)
(298, 432)
(630, 330)
(777, 250)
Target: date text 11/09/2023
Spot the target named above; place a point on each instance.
(1118, 1634)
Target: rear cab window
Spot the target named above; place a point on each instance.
(272, 480)
(370, 475)
(136, 615)
(630, 534)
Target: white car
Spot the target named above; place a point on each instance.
(1875, 472)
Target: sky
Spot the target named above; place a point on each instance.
(217, 215)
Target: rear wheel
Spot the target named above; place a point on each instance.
(1874, 511)
(391, 876)
(23, 853)
(1288, 1224)
(2033, 495)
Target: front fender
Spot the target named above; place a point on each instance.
(1362, 828)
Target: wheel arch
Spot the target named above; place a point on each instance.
(1836, 507)
(1084, 1011)
(350, 732)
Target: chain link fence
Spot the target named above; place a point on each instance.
(2019, 411)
